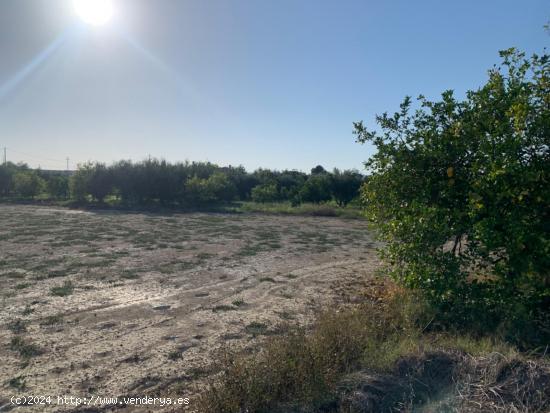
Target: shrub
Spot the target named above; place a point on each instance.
(345, 186)
(265, 193)
(93, 179)
(58, 186)
(78, 185)
(6, 179)
(222, 189)
(27, 183)
(197, 191)
(316, 189)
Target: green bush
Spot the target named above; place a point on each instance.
(217, 188)
(221, 187)
(345, 186)
(57, 186)
(27, 183)
(265, 193)
(459, 192)
(316, 189)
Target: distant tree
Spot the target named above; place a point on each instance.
(265, 193)
(27, 184)
(57, 186)
(6, 179)
(200, 169)
(345, 186)
(100, 181)
(78, 183)
(166, 182)
(265, 176)
(318, 170)
(215, 189)
(243, 181)
(126, 181)
(93, 179)
(197, 191)
(289, 183)
(316, 189)
(221, 187)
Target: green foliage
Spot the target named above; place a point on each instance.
(78, 185)
(459, 191)
(316, 189)
(216, 188)
(27, 183)
(286, 208)
(93, 179)
(153, 182)
(345, 186)
(243, 181)
(197, 191)
(62, 290)
(318, 170)
(265, 193)
(6, 178)
(57, 186)
(221, 187)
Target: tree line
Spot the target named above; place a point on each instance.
(179, 184)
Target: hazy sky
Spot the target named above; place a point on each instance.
(273, 83)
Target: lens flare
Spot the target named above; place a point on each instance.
(94, 12)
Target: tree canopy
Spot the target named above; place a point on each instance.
(459, 190)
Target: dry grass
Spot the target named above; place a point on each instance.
(499, 383)
(378, 357)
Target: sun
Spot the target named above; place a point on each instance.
(94, 12)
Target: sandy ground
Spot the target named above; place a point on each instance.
(148, 300)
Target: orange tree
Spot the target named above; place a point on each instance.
(460, 194)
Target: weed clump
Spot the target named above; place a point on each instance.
(62, 290)
(25, 349)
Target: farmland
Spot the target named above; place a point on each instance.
(114, 303)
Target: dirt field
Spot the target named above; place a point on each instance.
(112, 304)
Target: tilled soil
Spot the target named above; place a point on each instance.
(114, 303)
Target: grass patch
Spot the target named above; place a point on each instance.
(17, 383)
(62, 290)
(25, 349)
(17, 326)
(223, 307)
(239, 302)
(175, 355)
(256, 328)
(52, 320)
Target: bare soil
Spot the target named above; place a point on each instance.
(117, 303)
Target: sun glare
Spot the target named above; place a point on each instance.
(94, 12)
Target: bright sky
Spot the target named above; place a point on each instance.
(271, 83)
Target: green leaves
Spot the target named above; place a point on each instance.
(459, 190)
